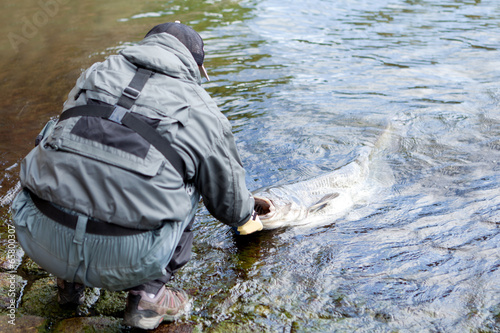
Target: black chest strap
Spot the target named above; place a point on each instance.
(120, 114)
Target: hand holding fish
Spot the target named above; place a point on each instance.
(249, 227)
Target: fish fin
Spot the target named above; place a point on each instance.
(323, 202)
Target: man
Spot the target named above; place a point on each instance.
(111, 189)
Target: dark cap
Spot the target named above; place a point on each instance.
(190, 38)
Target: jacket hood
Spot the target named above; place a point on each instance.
(165, 54)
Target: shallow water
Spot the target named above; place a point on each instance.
(304, 84)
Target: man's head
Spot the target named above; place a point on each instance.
(187, 36)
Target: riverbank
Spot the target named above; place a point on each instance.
(28, 303)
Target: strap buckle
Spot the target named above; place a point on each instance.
(131, 93)
(118, 114)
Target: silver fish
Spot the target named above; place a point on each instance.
(322, 198)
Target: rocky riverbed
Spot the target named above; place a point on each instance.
(28, 303)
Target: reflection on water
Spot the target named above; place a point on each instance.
(304, 84)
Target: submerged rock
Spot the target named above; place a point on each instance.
(23, 324)
(111, 303)
(11, 286)
(10, 256)
(89, 324)
(32, 269)
(41, 300)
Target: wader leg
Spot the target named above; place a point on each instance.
(72, 293)
(180, 258)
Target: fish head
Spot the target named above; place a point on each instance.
(275, 212)
(264, 207)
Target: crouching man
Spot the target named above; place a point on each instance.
(111, 189)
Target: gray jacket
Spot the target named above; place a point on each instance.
(137, 187)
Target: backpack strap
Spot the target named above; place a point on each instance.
(134, 88)
(120, 114)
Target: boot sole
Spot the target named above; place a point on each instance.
(148, 320)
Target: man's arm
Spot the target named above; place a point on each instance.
(221, 180)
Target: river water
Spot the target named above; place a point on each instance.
(304, 84)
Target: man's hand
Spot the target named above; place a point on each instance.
(251, 226)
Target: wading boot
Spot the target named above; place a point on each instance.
(147, 311)
(69, 293)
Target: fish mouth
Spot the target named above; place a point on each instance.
(264, 207)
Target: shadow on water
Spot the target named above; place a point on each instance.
(303, 84)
